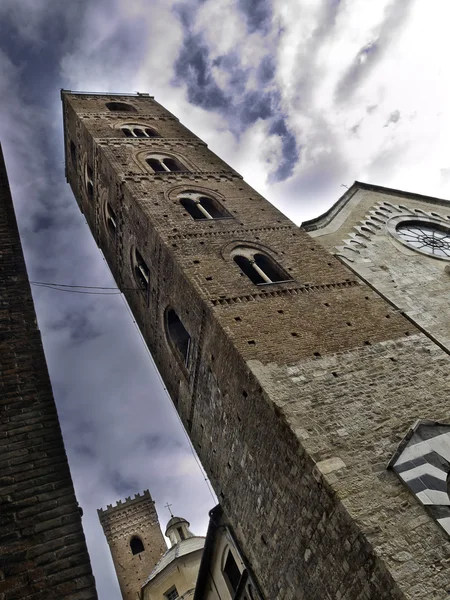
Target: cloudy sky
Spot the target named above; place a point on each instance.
(299, 96)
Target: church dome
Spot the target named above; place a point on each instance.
(177, 530)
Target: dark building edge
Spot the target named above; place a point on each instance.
(43, 550)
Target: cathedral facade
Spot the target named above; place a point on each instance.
(295, 380)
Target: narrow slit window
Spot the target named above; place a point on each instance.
(136, 545)
(141, 271)
(111, 220)
(231, 573)
(90, 190)
(178, 334)
(73, 153)
(120, 107)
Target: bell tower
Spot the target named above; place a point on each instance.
(294, 380)
(135, 540)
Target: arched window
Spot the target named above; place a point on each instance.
(136, 545)
(141, 272)
(202, 207)
(259, 268)
(160, 163)
(139, 131)
(111, 220)
(120, 107)
(178, 334)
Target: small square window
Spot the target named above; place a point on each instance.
(171, 594)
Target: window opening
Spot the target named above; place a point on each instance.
(151, 132)
(181, 533)
(171, 594)
(178, 334)
(172, 164)
(89, 176)
(164, 163)
(156, 165)
(232, 573)
(139, 132)
(73, 153)
(136, 545)
(120, 107)
(259, 268)
(141, 271)
(202, 207)
(246, 267)
(111, 219)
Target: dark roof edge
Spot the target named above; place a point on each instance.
(316, 223)
(203, 572)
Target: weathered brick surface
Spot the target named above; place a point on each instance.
(42, 547)
(295, 394)
(121, 522)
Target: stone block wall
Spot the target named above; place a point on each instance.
(285, 384)
(42, 546)
(123, 521)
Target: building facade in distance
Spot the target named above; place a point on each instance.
(135, 540)
(175, 575)
(295, 380)
(42, 545)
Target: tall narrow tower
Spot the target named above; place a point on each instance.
(135, 540)
(293, 379)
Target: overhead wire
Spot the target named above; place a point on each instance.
(194, 454)
(81, 289)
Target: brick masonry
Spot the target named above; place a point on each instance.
(42, 546)
(123, 521)
(294, 394)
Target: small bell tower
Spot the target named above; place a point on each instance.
(135, 540)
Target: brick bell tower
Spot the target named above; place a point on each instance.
(294, 380)
(135, 540)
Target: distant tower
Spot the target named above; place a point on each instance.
(135, 540)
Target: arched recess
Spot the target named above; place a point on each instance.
(120, 107)
(136, 545)
(177, 334)
(258, 266)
